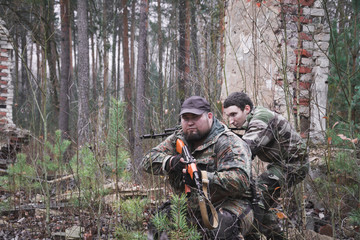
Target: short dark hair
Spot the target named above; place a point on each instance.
(239, 99)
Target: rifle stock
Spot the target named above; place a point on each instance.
(169, 131)
(203, 199)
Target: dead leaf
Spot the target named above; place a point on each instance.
(343, 137)
(281, 215)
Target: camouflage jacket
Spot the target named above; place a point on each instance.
(225, 157)
(272, 138)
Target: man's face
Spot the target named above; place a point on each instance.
(236, 116)
(196, 127)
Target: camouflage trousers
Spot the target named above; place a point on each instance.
(275, 178)
(270, 184)
(268, 225)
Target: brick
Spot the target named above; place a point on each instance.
(308, 45)
(307, 61)
(317, 12)
(309, 28)
(323, 37)
(3, 67)
(322, 46)
(305, 36)
(323, 62)
(2, 113)
(302, 19)
(3, 98)
(307, 2)
(303, 69)
(4, 58)
(305, 85)
(306, 77)
(292, 10)
(3, 74)
(304, 101)
(303, 52)
(293, 2)
(3, 82)
(304, 61)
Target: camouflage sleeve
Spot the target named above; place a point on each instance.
(154, 161)
(233, 168)
(258, 134)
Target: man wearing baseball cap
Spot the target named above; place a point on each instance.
(219, 154)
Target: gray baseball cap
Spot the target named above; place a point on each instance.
(196, 105)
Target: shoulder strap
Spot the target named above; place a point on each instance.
(203, 200)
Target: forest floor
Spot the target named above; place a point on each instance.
(66, 221)
(29, 221)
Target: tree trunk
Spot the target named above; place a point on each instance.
(132, 40)
(120, 96)
(65, 69)
(83, 73)
(24, 82)
(52, 57)
(113, 49)
(127, 80)
(106, 5)
(196, 77)
(140, 93)
(161, 87)
(222, 48)
(93, 63)
(184, 49)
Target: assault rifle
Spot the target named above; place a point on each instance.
(202, 194)
(190, 166)
(169, 131)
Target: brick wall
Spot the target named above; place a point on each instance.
(6, 88)
(11, 137)
(273, 65)
(308, 63)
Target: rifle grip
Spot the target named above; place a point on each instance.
(191, 168)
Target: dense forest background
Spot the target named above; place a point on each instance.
(91, 77)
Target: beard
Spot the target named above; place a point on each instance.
(195, 136)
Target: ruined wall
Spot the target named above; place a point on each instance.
(11, 137)
(6, 88)
(276, 52)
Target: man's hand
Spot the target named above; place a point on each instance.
(190, 181)
(175, 164)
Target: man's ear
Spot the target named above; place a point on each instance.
(210, 115)
(247, 109)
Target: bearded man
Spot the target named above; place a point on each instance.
(222, 155)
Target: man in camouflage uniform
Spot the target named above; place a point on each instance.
(273, 140)
(218, 151)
